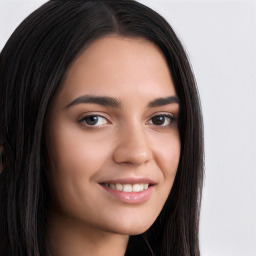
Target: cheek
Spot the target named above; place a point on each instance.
(167, 155)
(74, 160)
(73, 151)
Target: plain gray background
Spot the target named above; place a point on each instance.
(220, 38)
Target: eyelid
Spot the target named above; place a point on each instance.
(93, 113)
(164, 114)
(169, 115)
(90, 114)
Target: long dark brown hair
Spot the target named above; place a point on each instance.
(33, 65)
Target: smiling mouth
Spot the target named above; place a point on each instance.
(139, 187)
(137, 193)
(130, 190)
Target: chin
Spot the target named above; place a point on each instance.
(133, 227)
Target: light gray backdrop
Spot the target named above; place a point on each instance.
(220, 38)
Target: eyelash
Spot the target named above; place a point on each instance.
(83, 120)
(171, 118)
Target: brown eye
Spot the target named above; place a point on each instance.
(93, 120)
(158, 120)
(161, 120)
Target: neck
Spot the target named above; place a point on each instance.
(64, 237)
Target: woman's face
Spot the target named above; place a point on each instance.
(112, 137)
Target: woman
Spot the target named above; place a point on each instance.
(101, 133)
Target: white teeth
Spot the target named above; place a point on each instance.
(119, 187)
(128, 187)
(145, 186)
(137, 187)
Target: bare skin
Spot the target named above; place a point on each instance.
(112, 123)
(65, 238)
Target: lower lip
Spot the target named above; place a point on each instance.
(131, 197)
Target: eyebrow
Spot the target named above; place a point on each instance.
(100, 100)
(164, 101)
(116, 103)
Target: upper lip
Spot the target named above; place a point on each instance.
(130, 180)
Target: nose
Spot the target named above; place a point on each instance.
(132, 147)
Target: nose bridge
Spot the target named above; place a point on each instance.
(132, 147)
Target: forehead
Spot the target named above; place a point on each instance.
(119, 66)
